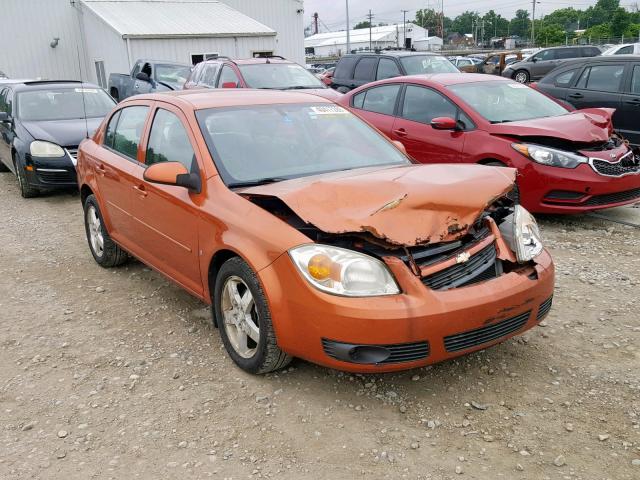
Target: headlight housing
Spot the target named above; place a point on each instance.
(343, 272)
(39, 148)
(522, 234)
(550, 156)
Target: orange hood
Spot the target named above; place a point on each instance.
(407, 205)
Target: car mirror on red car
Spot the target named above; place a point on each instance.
(400, 146)
(229, 85)
(444, 123)
(172, 173)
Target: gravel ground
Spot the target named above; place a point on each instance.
(119, 374)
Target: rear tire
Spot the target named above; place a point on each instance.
(521, 76)
(343, 89)
(243, 316)
(114, 93)
(26, 190)
(105, 251)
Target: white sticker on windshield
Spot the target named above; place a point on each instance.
(86, 90)
(328, 110)
(517, 85)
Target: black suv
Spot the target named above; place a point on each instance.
(539, 64)
(355, 70)
(607, 81)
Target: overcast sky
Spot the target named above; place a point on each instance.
(332, 12)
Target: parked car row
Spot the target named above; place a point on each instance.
(305, 217)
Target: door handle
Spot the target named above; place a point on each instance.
(401, 132)
(141, 190)
(100, 170)
(576, 95)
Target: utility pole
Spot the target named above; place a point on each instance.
(404, 27)
(370, 17)
(315, 23)
(533, 22)
(348, 28)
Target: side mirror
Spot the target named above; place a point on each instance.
(229, 85)
(4, 117)
(172, 173)
(400, 146)
(143, 76)
(534, 59)
(444, 123)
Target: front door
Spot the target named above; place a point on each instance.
(542, 63)
(6, 128)
(413, 127)
(115, 170)
(166, 217)
(627, 122)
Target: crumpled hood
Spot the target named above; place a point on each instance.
(588, 125)
(406, 205)
(62, 132)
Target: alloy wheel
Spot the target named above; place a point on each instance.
(95, 231)
(521, 77)
(240, 317)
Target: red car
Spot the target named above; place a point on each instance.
(568, 161)
(271, 73)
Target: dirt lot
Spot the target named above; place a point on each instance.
(119, 374)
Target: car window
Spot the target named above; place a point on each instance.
(387, 68)
(344, 68)
(464, 63)
(625, 50)
(635, 80)
(364, 68)
(424, 104)
(358, 100)
(567, 53)
(129, 131)
(420, 64)
(209, 73)
(564, 79)
(136, 69)
(169, 142)
(381, 99)
(111, 130)
(5, 100)
(604, 78)
(283, 76)
(591, 51)
(63, 103)
(494, 59)
(228, 76)
(545, 55)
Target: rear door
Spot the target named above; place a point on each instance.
(365, 71)
(420, 105)
(116, 167)
(627, 119)
(378, 106)
(599, 85)
(165, 217)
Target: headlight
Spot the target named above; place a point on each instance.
(343, 272)
(46, 149)
(521, 233)
(550, 156)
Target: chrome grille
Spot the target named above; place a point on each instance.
(481, 266)
(625, 165)
(73, 151)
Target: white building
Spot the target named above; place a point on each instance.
(428, 44)
(69, 39)
(390, 36)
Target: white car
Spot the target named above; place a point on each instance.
(624, 49)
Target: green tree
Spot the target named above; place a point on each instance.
(620, 21)
(598, 33)
(364, 24)
(520, 24)
(549, 34)
(427, 18)
(464, 22)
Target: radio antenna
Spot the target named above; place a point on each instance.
(84, 105)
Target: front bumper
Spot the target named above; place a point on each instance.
(545, 189)
(418, 327)
(51, 173)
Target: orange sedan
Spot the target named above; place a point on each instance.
(311, 234)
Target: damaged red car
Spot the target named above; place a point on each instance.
(310, 233)
(567, 161)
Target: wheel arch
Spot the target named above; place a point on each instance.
(216, 262)
(85, 191)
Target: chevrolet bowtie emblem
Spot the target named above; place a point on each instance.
(463, 257)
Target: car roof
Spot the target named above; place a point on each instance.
(50, 85)
(390, 53)
(446, 79)
(249, 61)
(229, 97)
(162, 62)
(600, 59)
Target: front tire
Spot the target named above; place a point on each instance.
(243, 315)
(521, 76)
(26, 190)
(105, 251)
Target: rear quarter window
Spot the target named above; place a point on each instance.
(564, 79)
(364, 68)
(344, 69)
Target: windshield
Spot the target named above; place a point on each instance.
(279, 76)
(63, 104)
(500, 102)
(419, 64)
(172, 74)
(251, 144)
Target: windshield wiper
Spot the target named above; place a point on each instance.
(256, 183)
(300, 87)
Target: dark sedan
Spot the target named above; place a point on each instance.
(607, 81)
(41, 125)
